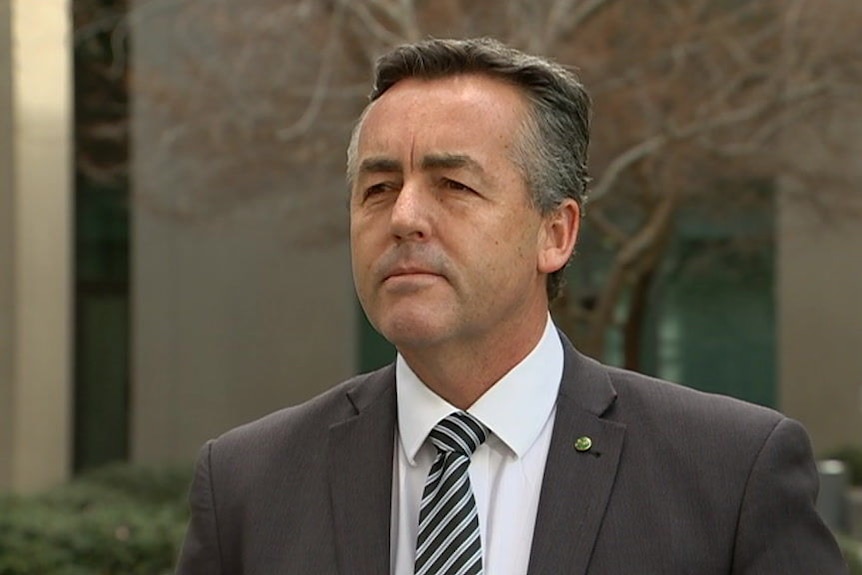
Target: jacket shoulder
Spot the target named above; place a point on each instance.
(641, 394)
(306, 423)
(676, 417)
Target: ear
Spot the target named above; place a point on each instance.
(558, 237)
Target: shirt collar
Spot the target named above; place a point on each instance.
(515, 408)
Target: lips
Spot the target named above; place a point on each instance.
(410, 272)
(411, 261)
(410, 278)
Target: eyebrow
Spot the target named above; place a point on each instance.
(379, 164)
(451, 161)
(382, 164)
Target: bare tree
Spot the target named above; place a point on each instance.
(692, 101)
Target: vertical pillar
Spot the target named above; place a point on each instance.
(35, 243)
(7, 228)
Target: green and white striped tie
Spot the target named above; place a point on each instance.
(449, 542)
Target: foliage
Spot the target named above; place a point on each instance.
(118, 520)
(853, 553)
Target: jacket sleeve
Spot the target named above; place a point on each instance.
(780, 531)
(200, 553)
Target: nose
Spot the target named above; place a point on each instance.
(411, 213)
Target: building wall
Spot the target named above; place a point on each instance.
(820, 288)
(35, 243)
(232, 316)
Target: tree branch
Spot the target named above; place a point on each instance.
(309, 115)
(613, 233)
(559, 25)
(626, 262)
(622, 162)
(373, 26)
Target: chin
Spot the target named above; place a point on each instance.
(412, 330)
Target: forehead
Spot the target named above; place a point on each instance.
(464, 113)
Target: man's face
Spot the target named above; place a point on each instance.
(444, 239)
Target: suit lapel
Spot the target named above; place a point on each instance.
(360, 465)
(577, 483)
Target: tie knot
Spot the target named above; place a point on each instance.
(459, 432)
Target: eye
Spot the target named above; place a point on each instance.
(377, 189)
(456, 186)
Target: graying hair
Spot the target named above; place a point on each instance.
(552, 145)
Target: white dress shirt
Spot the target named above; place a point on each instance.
(505, 472)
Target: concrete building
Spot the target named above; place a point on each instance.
(819, 288)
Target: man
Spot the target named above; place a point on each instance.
(491, 445)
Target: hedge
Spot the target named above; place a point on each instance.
(118, 520)
(853, 553)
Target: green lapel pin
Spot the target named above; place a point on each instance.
(583, 443)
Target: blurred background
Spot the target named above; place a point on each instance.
(173, 222)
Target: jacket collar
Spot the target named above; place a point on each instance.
(575, 489)
(578, 481)
(360, 472)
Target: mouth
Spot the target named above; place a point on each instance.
(410, 272)
(410, 276)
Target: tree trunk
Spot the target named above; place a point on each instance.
(634, 326)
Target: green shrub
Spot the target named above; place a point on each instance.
(118, 520)
(853, 553)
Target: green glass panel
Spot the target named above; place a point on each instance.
(101, 395)
(716, 331)
(374, 350)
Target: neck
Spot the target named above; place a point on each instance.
(461, 373)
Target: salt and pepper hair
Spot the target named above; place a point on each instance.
(551, 147)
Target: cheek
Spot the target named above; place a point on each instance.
(364, 233)
(360, 260)
(362, 265)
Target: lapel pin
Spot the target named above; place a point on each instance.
(583, 444)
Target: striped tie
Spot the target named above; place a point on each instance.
(448, 541)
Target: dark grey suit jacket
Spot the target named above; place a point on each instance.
(677, 482)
